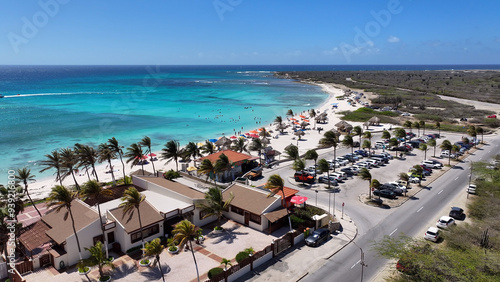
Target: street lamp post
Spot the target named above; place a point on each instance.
(362, 260)
(470, 178)
(316, 197)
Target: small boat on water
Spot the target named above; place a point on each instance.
(1, 96)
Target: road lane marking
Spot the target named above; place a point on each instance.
(440, 192)
(355, 264)
(456, 178)
(420, 209)
(393, 232)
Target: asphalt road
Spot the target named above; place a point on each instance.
(409, 219)
(372, 222)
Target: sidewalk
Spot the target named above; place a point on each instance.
(294, 264)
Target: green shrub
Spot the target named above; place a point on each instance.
(171, 174)
(214, 272)
(296, 221)
(241, 256)
(131, 250)
(428, 117)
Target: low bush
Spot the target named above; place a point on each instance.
(429, 117)
(171, 174)
(214, 272)
(131, 250)
(241, 256)
(296, 221)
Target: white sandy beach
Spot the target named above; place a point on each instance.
(41, 188)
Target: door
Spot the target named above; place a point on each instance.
(44, 260)
(247, 218)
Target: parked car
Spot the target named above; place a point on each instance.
(394, 188)
(428, 169)
(400, 149)
(302, 176)
(389, 156)
(317, 237)
(457, 213)
(355, 169)
(352, 157)
(372, 162)
(364, 164)
(333, 163)
(432, 234)
(385, 193)
(341, 174)
(432, 164)
(414, 179)
(254, 173)
(342, 161)
(446, 154)
(325, 179)
(362, 153)
(348, 171)
(445, 222)
(471, 189)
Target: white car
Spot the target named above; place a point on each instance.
(445, 222)
(333, 164)
(355, 169)
(414, 179)
(432, 234)
(431, 164)
(342, 161)
(341, 175)
(364, 165)
(471, 189)
(398, 185)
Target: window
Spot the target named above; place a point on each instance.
(146, 232)
(236, 210)
(98, 238)
(111, 237)
(202, 214)
(255, 218)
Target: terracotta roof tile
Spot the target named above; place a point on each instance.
(231, 155)
(33, 237)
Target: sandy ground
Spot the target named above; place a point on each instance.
(41, 188)
(477, 104)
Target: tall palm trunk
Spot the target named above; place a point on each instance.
(286, 207)
(123, 167)
(140, 226)
(194, 258)
(112, 173)
(74, 231)
(159, 266)
(95, 173)
(29, 197)
(153, 163)
(59, 176)
(74, 178)
(142, 165)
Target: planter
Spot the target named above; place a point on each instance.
(111, 259)
(106, 278)
(145, 262)
(84, 271)
(174, 251)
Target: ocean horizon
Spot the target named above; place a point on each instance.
(46, 108)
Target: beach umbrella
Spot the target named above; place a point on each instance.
(253, 136)
(306, 120)
(265, 141)
(296, 123)
(298, 200)
(199, 144)
(212, 140)
(254, 131)
(222, 141)
(242, 135)
(301, 116)
(304, 124)
(233, 137)
(143, 157)
(152, 155)
(191, 168)
(293, 119)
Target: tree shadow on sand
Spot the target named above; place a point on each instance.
(153, 273)
(227, 235)
(123, 270)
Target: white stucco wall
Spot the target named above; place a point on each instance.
(85, 236)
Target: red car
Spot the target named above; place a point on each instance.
(492, 116)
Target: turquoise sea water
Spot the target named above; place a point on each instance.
(50, 107)
(59, 106)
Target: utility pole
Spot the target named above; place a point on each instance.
(362, 260)
(470, 178)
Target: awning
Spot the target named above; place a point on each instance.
(275, 215)
(298, 200)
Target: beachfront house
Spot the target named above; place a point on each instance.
(252, 207)
(240, 164)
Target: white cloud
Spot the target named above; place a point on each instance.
(393, 39)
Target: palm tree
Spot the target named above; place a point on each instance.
(323, 166)
(99, 258)
(24, 175)
(368, 135)
(349, 142)
(214, 204)
(239, 145)
(192, 150)
(472, 132)
(69, 163)
(365, 174)
(312, 155)
(93, 189)
(330, 139)
(257, 145)
(263, 132)
(357, 131)
(279, 121)
(146, 142)
(107, 154)
(455, 148)
(222, 164)
(386, 135)
(131, 200)
(276, 184)
(289, 113)
(135, 155)
(312, 114)
(184, 233)
(207, 167)
(88, 157)
(416, 125)
(172, 151)
(422, 125)
(53, 161)
(393, 142)
(292, 151)
(155, 248)
(61, 197)
(423, 147)
(446, 145)
(400, 133)
(376, 185)
(208, 148)
(432, 143)
(367, 145)
(299, 165)
(438, 125)
(403, 176)
(113, 144)
(480, 130)
(226, 262)
(408, 124)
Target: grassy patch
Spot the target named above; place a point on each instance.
(364, 114)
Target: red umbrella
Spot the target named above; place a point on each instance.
(152, 155)
(302, 116)
(254, 131)
(143, 157)
(298, 200)
(296, 122)
(233, 137)
(253, 136)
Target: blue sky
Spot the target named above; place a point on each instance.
(249, 32)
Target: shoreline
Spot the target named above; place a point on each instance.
(41, 188)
